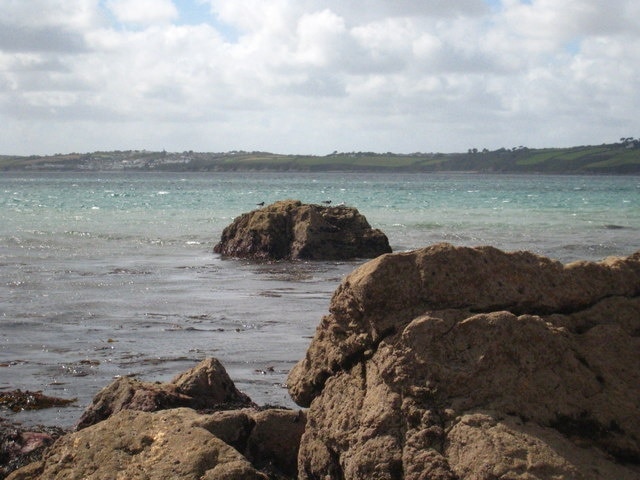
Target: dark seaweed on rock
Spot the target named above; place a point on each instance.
(18, 400)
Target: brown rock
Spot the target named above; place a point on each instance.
(178, 443)
(141, 445)
(209, 385)
(206, 386)
(20, 446)
(269, 438)
(474, 363)
(385, 294)
(274, 441)
(231, 426)
(291, 230)
(479, 443)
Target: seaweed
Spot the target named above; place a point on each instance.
(17, 400)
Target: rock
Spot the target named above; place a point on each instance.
(209, 385)
(206, 386)
(268, 438)
(453, 362)
(231, 426)
(275, 440)
(20, 446)
(120, 428)
(291, 230)
(142, 445)
(179, 443)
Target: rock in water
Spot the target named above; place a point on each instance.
(291, 230)
(452, 362)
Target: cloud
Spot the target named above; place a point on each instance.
(143, 12)
(45, 25)
(33, 39)
(312, 76)
(73, 15)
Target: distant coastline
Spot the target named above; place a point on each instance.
(614, 158)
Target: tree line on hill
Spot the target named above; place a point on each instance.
(622, 157)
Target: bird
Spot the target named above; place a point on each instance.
(261, 204)
(328, 202)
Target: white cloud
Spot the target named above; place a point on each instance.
(70, 14)
(143, 12)
(257, 15)
(315, 76)
(320, 37)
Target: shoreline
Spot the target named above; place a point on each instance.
(610, 159)
(467, 350)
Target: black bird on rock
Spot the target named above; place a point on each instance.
(327, 202)
(261, 204)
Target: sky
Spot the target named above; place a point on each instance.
(313, 77)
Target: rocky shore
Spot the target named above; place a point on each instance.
(472, 363)
(440, 363)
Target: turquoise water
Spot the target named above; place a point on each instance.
(111, 274)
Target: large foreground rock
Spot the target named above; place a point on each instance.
(472, 363)
(291, 230)
(176, 444)
(143, 430)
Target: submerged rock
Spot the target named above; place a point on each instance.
(21, 445)
(291, 230)
(449, 363)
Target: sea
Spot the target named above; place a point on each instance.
(105, 275)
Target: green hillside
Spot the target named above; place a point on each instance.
(615, 158)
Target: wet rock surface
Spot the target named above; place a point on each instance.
(290, 229)
(452, 362)
(20, 446)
